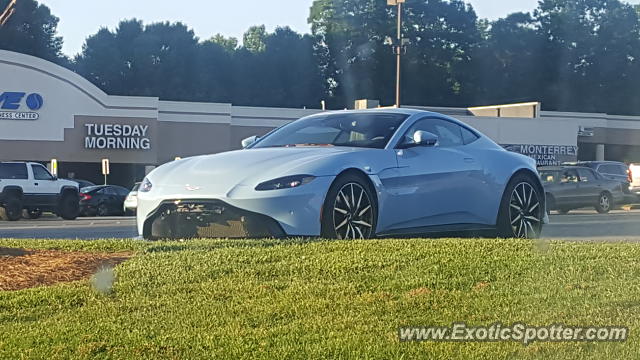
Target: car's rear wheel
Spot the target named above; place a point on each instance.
(521, 210)
(604, 203)
(103, 210)
(350, 210)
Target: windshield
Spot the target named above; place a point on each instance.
(372, 130)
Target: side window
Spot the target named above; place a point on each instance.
(569, 176)
(40, 173)
(607, 169)
(13, 171)
(468, 137)
(586, 176)
(449, 134)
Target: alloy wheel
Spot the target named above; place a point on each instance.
(353, 213)
(605, 204)
(525, 212)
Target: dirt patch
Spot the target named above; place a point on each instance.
(23, 269)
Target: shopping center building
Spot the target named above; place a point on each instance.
(48, 112)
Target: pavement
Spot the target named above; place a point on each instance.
(578, 225)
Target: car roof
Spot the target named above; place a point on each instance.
(382, 110)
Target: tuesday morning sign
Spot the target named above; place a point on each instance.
(117, 137)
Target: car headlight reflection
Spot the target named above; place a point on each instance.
(287, 182)
(146, 186)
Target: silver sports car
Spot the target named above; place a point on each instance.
(348, 175)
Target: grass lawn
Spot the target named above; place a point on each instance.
(317, 299)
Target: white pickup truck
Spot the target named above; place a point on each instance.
(31, 187)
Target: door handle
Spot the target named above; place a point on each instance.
(36, 184)
(469, 160)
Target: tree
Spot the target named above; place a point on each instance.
(254, 39)
(592, 55)
(230, 44)
(32, 30)
(350, 41)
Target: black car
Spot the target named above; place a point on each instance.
(102, 200)
(574, 187)
(613, 170)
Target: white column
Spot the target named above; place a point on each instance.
(600, 152)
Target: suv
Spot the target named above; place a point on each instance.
(30, 187)
(612, 170)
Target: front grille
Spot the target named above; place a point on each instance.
(187, 219)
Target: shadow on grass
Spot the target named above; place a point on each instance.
(213, 244)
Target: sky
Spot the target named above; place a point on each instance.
(81, 18)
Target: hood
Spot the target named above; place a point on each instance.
(253, 166)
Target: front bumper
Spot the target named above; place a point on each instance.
(296, 211)
(176, 219)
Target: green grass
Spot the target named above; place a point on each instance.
(317, 299)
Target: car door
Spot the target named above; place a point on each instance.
(437, 185)
(44, 185)
(567, 194)
(589, 187)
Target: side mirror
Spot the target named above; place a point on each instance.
(425, 138)
(421, 138)
(250, 140)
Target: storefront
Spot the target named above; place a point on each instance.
(48, 112)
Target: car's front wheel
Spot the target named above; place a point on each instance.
(69, 207)
(521, 210)
(350, 209)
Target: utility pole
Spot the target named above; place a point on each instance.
(399, 47)
(6, 14)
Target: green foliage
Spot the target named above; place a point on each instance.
(327, 299)
(31, 30)
(573, 55)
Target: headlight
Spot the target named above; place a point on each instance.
(145, 186)
(287, 182)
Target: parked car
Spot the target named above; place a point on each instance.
(131, 202)
(613, 170)
(348, 175)
(573, 187)
(102, 200)
(31, 188)
(82, 183)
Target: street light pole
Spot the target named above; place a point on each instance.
(399, 56)
(398, 49)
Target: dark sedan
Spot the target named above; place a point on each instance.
(573, 187)
(102, 200)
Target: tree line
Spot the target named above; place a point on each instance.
(572, 55)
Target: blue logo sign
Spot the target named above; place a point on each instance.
(13, 101)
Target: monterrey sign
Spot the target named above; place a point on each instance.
(12, 106)
(117, 137)
(546, 155)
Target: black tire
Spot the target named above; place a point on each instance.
(605, 203)
(355, 212)
(521, 211)
(32, 214)
(12, 209)
(69, 207)
(103, 210)
(563, 211)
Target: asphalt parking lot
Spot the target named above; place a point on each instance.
(585, 225)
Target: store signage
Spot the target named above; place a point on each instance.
(20, 106)
(546, 155)
(117, 137)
